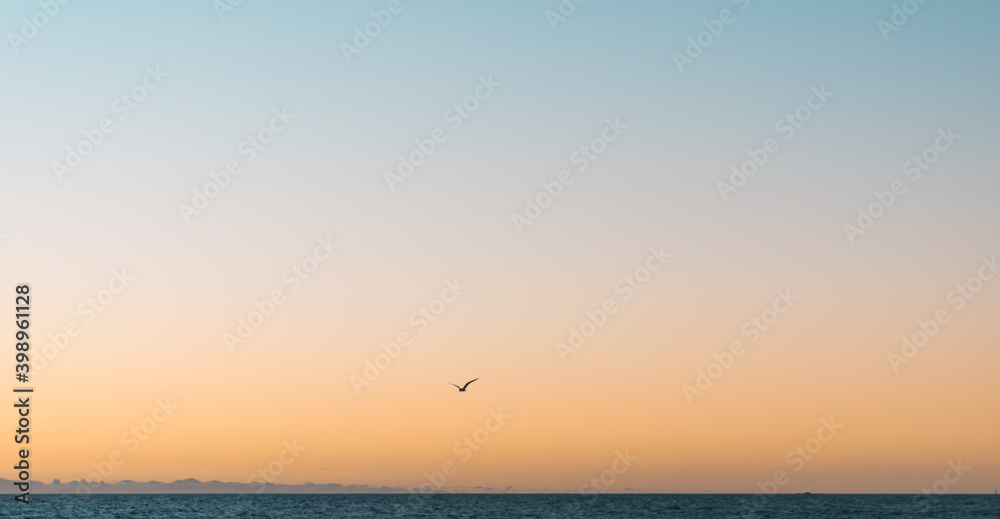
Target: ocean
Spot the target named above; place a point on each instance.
(714, 506)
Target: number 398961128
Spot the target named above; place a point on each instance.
(22, 307)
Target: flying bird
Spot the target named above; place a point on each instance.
(462, 388)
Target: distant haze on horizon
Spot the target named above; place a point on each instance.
(242, 283)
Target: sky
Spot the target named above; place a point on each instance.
(715, 239)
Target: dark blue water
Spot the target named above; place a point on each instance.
(506, 506)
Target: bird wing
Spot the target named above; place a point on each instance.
(456, 385)
(469, 382)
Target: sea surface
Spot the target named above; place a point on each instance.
(714, 506)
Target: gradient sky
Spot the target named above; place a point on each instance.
(655, 186)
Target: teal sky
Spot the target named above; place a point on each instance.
(353, 119)
(225, 76)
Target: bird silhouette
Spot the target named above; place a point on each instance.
(462, 388)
